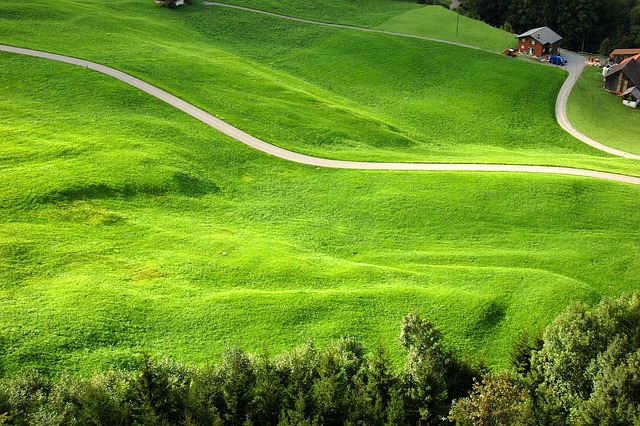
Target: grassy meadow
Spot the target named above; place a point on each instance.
(601, 115)
(308, 88)
(363, 13)
(128, 226)
(438, 22)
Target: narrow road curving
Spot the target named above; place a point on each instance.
(344, 26)
(574, 67)
(284, 154)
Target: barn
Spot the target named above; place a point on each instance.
(541, 41)
(623, 76)
(620, 55)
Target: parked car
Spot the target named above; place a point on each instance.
(557, 60)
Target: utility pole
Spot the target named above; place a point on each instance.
(457, 22)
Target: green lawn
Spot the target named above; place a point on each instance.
(308, 88)
(128, 226)
(601, 115)
(363, 13)
(438, 22)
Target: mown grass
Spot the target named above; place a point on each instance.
(438, 22)
(126, 225)
(601, 115)
(365, 13)
(309, 88)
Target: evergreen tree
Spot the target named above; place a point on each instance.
(160, 391)
(238, 380)
(426, 397)
(298, 371)
(267, 394)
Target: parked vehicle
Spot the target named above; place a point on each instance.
(558, 60)
(510, 52)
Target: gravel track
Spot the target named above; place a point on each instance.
(282, 153)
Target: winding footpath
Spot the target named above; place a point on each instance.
(348, 27)
(575, 65)
(265, 147)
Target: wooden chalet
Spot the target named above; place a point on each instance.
(541, 41)
(620, 55)
(623, 76)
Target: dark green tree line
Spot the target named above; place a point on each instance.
(583, 370)
(585, 25)
(339, 384)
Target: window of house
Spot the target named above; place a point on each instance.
(533, 42)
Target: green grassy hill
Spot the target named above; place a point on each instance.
(364, 13)
(116, 212)
(127, 225)
(438, 22)
(432, 102)
(308, 88)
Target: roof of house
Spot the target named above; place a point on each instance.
(631, 58)
(633, 91)
(625, 52)
(630, 67)
(543, 35)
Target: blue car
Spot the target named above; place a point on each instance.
(557, 60)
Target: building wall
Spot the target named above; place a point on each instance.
(537, 48)
(617, 83)
(529, 46)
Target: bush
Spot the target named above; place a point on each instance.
(500, 399)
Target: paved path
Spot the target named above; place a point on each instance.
(575, 65)
(349, 27)
(260, 145)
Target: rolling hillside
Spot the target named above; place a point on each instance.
(441, 23)
(127, 225)
(308, 88)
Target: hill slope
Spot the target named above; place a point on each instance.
(601, 115)
(126, 225)
(441, 23)
(309, 89)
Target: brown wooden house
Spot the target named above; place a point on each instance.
(623, 76)
(620, 55)
(541, 41)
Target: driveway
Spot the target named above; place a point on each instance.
(575, 66)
